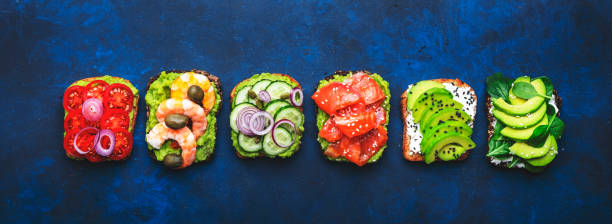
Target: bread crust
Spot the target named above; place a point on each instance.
(210, 77)
(232, 94)
(406, 138)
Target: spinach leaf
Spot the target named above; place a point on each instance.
(515, 160)
(548, 83)
(550, 111)
(524, 90)
(498, 148)
(556, 127)
(498, 86)
(538, 137)
(496, 133)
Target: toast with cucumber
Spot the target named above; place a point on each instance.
(182, 110)
(352, 116)
(524, 122)
(438, 120)
(267, 118)
(99, 117)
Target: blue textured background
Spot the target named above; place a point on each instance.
(45, 45)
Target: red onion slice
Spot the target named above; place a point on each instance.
(278, 123)
(264, 96)
(259, 121)
(99, 148)
(243, 121)
(92, 109)
(74, 142)
(297, 97)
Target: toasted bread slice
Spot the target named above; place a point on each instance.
(211, 78)
(417, 157)
(232, 95)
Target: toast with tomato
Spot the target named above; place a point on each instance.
(182, 111)
(352, 116)
(267, 118)
(438, 120)
(99, 118)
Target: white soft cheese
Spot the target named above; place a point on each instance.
(460, 94)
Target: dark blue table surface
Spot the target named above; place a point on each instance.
(46, 45)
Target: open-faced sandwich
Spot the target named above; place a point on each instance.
(524, 123)
(181, 117)
(99, 118)
(352, 116)
(267, 118)
(438, 120)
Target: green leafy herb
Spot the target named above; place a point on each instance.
(498, 148)
(525, 90)
(539, 135)
(515, 160)
(550, 111)
(498, 86)
(496, 133)
(548, 83)
(556, 127)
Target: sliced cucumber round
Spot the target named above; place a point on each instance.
(277, 89)
(234, 114)
(242, 95)
(261, 85)
(291, 113)
(283, 137)
(248, 143)
(273, 106)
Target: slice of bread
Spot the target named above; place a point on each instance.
(491, 127)
(232, 95)
(211, 78)
(417, 157)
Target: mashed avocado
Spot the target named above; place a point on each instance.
(160, 91)
(255, 78)
(322, 116)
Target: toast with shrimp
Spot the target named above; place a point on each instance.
(99, 118)
(267, 118)
(438, 120)
(181, 123)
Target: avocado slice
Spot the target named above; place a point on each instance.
(445, 114)
(444, 128)
(515, 100)
(526, 151)
(439, 142)
(451, 152)
(430, 100)
(522, 134)
(528, 106)
(441, 105)
(419, 89)
(548, 157)
(534, 169)
(521, 122)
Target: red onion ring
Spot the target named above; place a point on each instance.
(284, 121)
(99, 148)
(92, 109)
(243, 120)
(264, 96)
(77, 136)
(259, 121)
(294, 92)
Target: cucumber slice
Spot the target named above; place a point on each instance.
(234, 114)
(249, 144)
(273, 106)
(261, 85)
(278, 89)
(291, 113)
(282, 136)
(242, 95)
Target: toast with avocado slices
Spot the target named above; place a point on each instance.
(352, 116)
(99, 117)
(524, 122)
(182, 108)
(267, 118)
(438, 120)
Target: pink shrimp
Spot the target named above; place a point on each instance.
(185, 138)
(187, 108)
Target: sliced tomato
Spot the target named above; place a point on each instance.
(372, 142)
(335, 96)
(336, 149)
(94, 157)
(96, 89)
(115, 119)
(381, 115)
(352, 110)
(73, 98)
(366, 86)
(118, 96)
(74, 122)
(352, 150)
(69, 145)
(123, 144)
(330, 132)
(85, 141)
(357, 124)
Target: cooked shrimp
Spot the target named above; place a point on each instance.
(182, 83)
(185, 138)
(187, 108)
